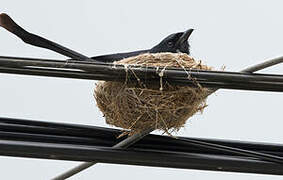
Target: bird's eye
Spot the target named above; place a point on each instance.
(170, 44)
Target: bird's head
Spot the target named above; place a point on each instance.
(177, 42)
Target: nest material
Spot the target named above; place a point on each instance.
(161, 106)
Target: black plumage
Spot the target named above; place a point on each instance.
(174, 43)
(177, 42)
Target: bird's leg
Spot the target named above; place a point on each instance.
(35, 40)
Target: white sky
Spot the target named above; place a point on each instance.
(235, 34)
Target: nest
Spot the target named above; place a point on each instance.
(162, 106)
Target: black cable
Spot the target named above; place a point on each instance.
(137, 157)
(237, 151)
(228, 80)
(14, 129)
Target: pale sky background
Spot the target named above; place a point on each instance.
(235, 34)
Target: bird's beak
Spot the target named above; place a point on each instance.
(185, 36)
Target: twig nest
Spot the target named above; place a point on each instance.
(161, 106)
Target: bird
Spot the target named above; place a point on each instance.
(174, 43)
